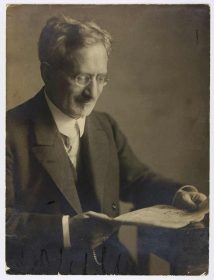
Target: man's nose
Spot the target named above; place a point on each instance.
(92, 89)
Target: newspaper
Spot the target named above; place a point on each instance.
(165, 216)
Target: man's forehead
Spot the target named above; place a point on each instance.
(84, 59)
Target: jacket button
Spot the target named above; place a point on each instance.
(114, 206)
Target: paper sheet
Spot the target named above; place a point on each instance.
(165, 216)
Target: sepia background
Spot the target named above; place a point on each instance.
(159, 80)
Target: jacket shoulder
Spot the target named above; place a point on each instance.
(104, 118)
(25, 110)
(108, 124)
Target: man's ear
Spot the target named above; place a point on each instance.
(45, 71)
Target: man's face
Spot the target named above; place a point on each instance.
(73, 99)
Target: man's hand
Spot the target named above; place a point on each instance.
(90, 229)
(188, 198)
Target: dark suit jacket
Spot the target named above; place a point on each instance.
(41, 186)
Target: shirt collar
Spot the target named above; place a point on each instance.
(64, 123)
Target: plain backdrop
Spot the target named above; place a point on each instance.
(159, 79)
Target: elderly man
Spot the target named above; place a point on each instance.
(68, 167)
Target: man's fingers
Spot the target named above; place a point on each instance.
(183, 200)
(97, 215)
(188, 202)
(198, 198)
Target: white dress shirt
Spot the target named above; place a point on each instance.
(67, 126)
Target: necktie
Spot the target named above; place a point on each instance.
(71, 144)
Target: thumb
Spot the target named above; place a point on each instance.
(188, 203)
(183, 200)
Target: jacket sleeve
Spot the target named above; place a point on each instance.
(29, 236)
(138, 183)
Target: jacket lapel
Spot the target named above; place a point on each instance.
(96, 154)
(48, 149)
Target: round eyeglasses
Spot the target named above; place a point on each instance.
(83, 80)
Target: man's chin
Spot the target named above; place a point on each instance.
(76, 114)
(86, 111)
